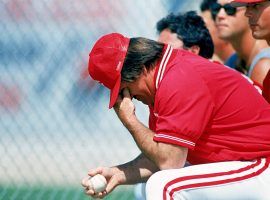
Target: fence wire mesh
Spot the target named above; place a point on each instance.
(54, 120)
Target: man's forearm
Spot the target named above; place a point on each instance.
(143, 137)
(165, 156)
(137, 170)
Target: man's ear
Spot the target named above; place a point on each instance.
(195, 49)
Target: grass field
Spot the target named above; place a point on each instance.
(58, 193)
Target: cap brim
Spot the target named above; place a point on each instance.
(240, 3)
(115, 92)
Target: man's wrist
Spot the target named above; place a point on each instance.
(130, 122)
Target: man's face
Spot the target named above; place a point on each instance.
(143, 88)
(210, 24)
(167, 37)
(259, 19)
(231, 26)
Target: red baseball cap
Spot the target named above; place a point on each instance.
(238, 3)
(106, 60)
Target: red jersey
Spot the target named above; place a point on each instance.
(208, 108)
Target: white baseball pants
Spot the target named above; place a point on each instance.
(235, 180)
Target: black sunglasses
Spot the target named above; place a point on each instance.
(215, 8)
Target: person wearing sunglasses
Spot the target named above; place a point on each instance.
(233, 26)
(258, 14)
(230, 10)
(223, 50)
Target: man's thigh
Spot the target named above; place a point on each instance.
(217, 181)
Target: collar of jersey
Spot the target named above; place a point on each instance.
(167, 55)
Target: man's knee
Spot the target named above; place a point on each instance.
(153, 180)
(154, 186)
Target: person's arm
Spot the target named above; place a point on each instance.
(165, 156)
(135, 171)
(138, 170)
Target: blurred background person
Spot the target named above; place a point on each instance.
(186, 31)
(233, 27)
(258, 13)
(223, 50)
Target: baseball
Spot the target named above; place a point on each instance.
(98, 183)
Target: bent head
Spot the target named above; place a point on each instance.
(139, 67)
(119, 62)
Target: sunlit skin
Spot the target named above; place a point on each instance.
(259, 20)
(143, 89)
(167, 37)
(236, 30)
(230, 27)
(223, 49)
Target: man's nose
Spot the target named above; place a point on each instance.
(221, 13)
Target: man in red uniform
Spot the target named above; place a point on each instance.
(200, 111)
(258, 13)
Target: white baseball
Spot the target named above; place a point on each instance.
(97, 183)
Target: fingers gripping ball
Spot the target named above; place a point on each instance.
(97, 183)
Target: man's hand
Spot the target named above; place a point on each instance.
(124, 107)
(113, 176)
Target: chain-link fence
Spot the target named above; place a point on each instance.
(54, 120)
